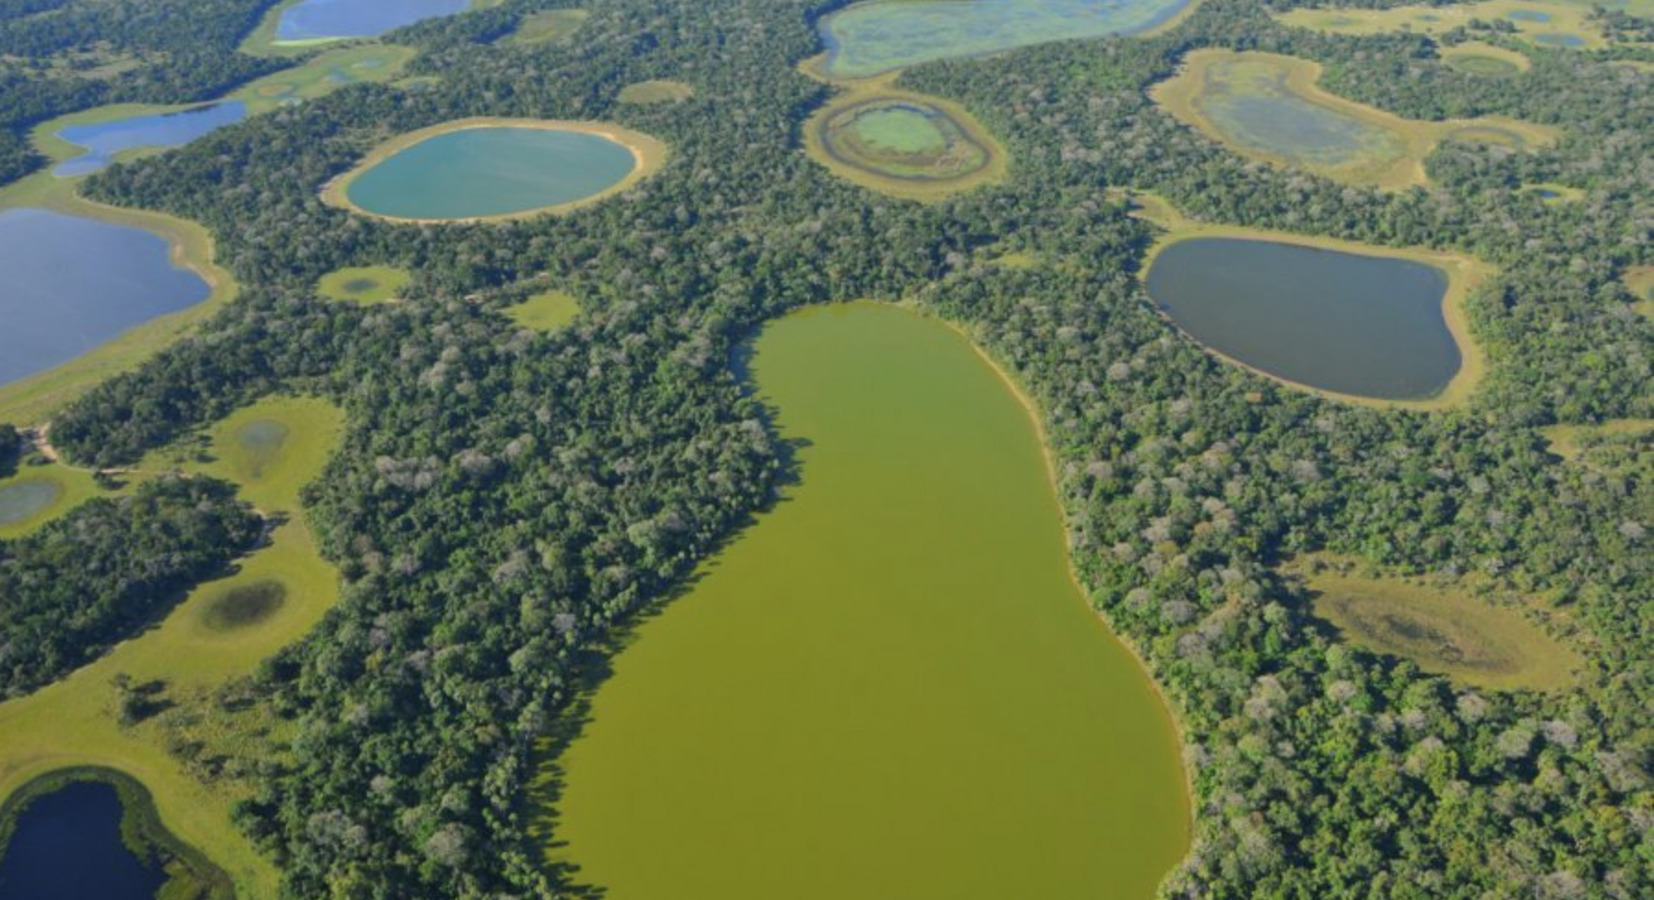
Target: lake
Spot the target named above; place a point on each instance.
(1370, 326)
(68, 847)
(103, 140)
(73, 283)
(872, 38)
(490, 171)
(316, 20)
(23, 499)
(888, 685)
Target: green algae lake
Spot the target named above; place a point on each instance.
(889, 685)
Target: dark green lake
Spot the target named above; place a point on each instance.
(67, 846)
(1371, 326)
(493, 171)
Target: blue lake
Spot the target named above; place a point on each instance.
(314, 20)
(68, 847)
(103, 140)
(1371, 326)
(71, 284)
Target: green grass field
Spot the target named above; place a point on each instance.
(1487, 60)
(1639, 281)
(550, 26)
(366, 285)
(1269, 108)
(648, 93)
(546, 311)
(1443, 629)
(71, 723)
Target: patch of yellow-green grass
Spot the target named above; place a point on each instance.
(1576, 443)
(646, 93)
(1639, 280)
(648, 154)
(821, 145)
(324, 74)
(366, 285)
(1464, 274)
(1538, 22)
(546, 311)
(1478, 58)
(1020, 260)
(1253, 102)
(1551, 194)
(32, 400)
(262, 41)
(74, 723)
(36, 495)
(550, 26)
(1442, 628)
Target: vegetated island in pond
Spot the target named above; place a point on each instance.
(873, 38)
(1269, 108)
(890, 679)
(1351, 321)
(490, 169)
(1442, 628)
(903, 144)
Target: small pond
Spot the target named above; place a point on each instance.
(318, 20)
(103, 140)
(871, 38)
(1560, 40)
(490, 171)
(73, 283)
(67, 846)
(1370, 326)
(23, 500)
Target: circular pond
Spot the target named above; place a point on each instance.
(24, 500)
(902, 139)
(484, 169)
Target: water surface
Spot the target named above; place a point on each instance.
(887, 686)
(67, 846)
(72, 283)
(313, 20)
(103, 140)
(22, 500)
(870, 38)
(491, 171)
(1371, 326)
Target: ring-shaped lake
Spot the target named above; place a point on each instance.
(320, 20)
(491, 171)
(1366, 326)
(72, 283)
(889, 686)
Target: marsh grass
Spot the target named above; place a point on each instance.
(647, 93)
(1488, 60)
(1270, 108)
(367, 285)
(1561, 18)
(548, 27)
(546, 311)
(1444, 629)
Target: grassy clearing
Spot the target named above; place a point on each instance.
(648, 155)
(367, 285)
(1551, 194)
(1639, 280)
(546, 311)
(647, 93)
(62, 488)
(1477, 58)
(1254, 103)
(190, 755)
(903, 144)
(1464, 275)
(551, 26)
(324, 74)
(1609, 447)
(1440, 627)
(1539, 22)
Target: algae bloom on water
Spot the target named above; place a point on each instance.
(888, 686)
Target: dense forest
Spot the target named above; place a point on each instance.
(504, 499)
(111, 566)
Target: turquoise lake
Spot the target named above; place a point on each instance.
(1370, 326)
(103, 140)
(491, 171)
(314, 20)
(870, 38)
(72, 283)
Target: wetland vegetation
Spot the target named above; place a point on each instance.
(893, 666)
(485, 169)
(364, 284)
(546, 311)
(904, 144)
(1547, 23)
